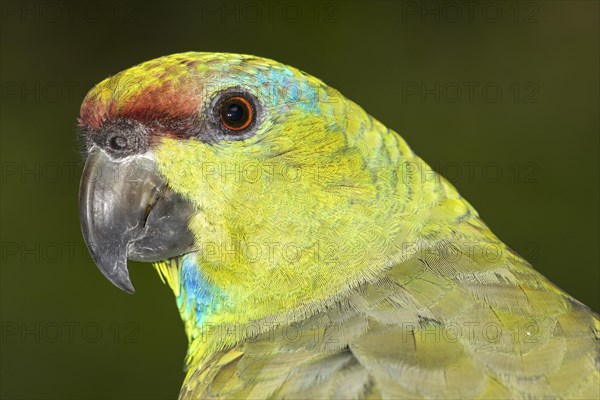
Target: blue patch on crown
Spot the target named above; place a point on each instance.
(281, 87)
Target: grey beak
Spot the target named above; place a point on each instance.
(127, 211)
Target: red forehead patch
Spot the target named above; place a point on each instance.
(155, 95)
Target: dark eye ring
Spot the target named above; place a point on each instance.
(236, 113)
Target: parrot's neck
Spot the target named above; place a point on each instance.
(198, 300)
(216, 318)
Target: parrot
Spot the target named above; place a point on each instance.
(310, 251)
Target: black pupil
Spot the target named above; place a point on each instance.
(118, 142)
(235, 112)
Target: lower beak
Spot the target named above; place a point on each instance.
(127, 211)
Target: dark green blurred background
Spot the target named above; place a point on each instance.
(502, 97)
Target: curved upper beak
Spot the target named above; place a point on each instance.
(127, 211)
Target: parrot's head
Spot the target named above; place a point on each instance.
(282, 190)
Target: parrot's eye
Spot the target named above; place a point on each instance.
(118, 142)
(236, 113)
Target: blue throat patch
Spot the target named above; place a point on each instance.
(197, 297)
